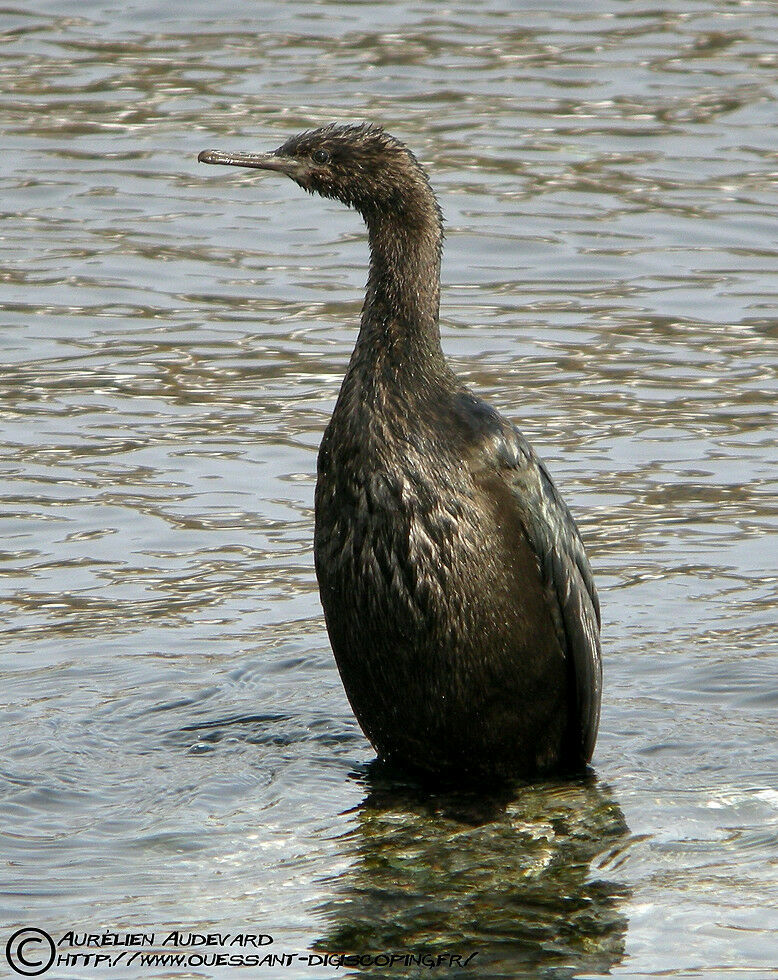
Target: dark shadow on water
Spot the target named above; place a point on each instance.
(508, 876)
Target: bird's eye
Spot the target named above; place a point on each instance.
(320, 156)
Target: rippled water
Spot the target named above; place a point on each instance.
(177, 750)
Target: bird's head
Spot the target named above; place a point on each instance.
(362, 166)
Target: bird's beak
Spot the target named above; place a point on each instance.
(257, 161)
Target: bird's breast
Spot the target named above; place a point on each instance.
(396, 528)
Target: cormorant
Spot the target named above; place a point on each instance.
(457, 593)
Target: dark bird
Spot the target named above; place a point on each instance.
(458, 596)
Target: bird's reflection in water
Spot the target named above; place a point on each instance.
(512, 878)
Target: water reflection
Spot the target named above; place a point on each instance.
(507, 877)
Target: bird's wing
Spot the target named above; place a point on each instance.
(564, 567)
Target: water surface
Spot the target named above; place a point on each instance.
(178, 751)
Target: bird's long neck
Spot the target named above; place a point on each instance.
(399, 333)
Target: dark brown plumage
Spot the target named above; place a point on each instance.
(457, 593)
